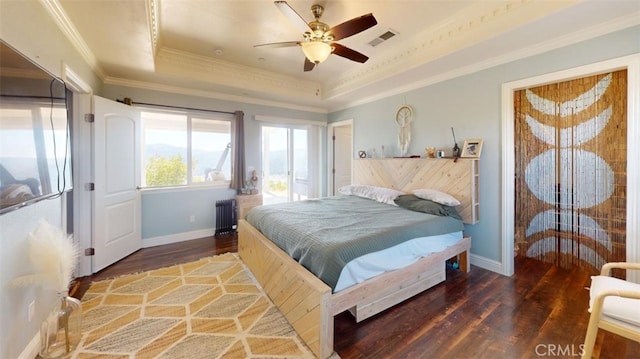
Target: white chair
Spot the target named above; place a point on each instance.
(614, 305)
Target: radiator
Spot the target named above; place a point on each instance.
(226, 219)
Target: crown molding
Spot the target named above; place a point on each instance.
(469, 26)
(205, 69)
(479, 22)
(154, 24)
(74, 81)
(58, 14)
(621, 23)
(153, 86)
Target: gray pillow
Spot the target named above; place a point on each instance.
(414, 203)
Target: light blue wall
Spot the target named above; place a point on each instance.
(26, 26)
(472, 105)
(167, 212)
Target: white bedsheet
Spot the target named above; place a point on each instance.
(396, 257)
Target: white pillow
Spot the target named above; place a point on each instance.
(624, 309)
(436, 196)
(380, 194)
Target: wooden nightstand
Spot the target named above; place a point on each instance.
(244, 202)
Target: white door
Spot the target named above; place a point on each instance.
(342, 156)
(116, 157)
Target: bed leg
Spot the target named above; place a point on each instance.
(463, 261)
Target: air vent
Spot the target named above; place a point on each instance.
(382, 38)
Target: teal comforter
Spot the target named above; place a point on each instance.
(323, 235)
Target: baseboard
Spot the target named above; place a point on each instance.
(488, 264)
(33, 348)
(178, 237)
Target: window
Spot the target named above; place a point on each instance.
(290, 160)
(284, 164)
(184, 148)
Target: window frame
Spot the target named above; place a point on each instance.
(189, 115)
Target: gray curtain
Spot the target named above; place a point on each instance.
(238, 167)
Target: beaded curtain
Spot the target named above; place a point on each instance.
(571, 155)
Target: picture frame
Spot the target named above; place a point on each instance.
(472, 148)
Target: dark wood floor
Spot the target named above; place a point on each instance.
(539, 312)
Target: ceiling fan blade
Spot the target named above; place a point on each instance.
(348, 53)
(308, 65)
(279, 44)
(293, 16)
(352, 27)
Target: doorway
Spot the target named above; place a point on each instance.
(340, 155)
(632, 203)
(570, 163)
(108, 226)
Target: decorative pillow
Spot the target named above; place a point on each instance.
(418, 204)
(380, 194)
(437, 196)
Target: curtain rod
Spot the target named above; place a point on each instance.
(127, 101)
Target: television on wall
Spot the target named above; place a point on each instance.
(35, 156)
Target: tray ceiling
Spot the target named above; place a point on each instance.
(206, 47)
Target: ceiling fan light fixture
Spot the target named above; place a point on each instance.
(316, 51)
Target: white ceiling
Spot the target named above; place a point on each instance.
(206, 47)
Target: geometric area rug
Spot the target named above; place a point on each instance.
(210, 308)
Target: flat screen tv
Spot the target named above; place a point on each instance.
(35, 157)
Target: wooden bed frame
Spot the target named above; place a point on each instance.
(308, 303)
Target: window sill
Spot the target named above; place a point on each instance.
(223, 185)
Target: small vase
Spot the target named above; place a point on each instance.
(60, 332)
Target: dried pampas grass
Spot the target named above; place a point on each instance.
(53, 254)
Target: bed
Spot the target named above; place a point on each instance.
(310, 304)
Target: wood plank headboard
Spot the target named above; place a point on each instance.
(459, 179)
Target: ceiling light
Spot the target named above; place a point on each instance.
(316, 51)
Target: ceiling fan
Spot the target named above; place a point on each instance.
(319, 38)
